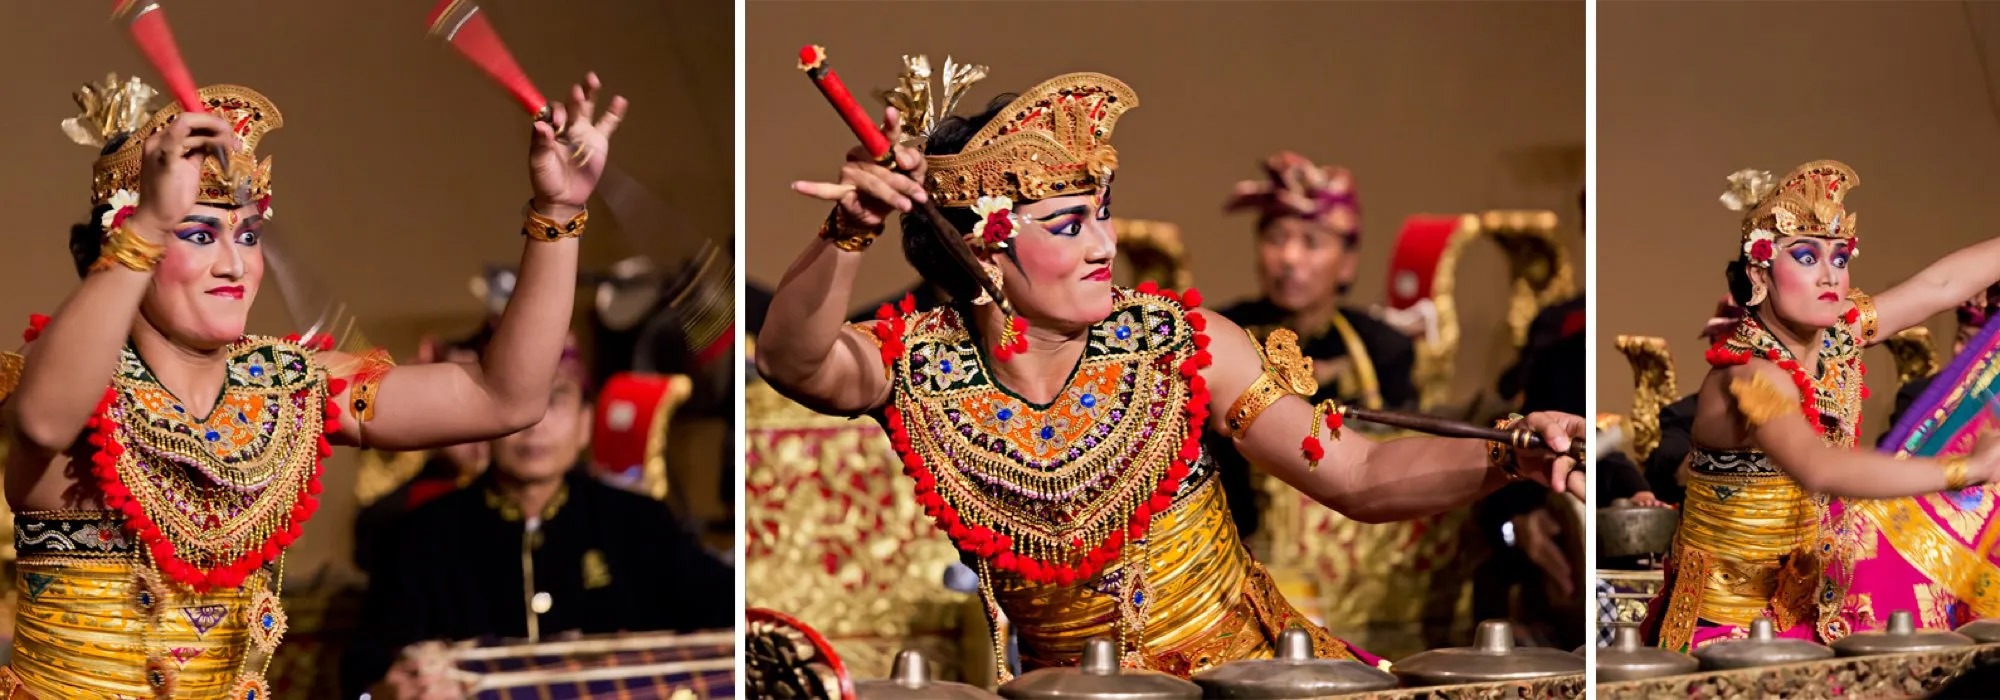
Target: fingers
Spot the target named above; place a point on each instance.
(559, 118)
(613, 116)
(892, 123)
(870, 181)
(582, 107)
(822, 190)
(1559, 473)
(545, 135)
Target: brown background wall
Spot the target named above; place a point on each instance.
(1436, 107)
(400, 170)
(1690, 92)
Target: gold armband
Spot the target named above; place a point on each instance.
(1758, 401)
(1504, 455)
(1954, 474)
(1864, 321)
(375, 366)
(543, 228)
(123, 248)
(1261, 394)
(846, 235)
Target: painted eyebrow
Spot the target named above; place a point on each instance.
(1060, 213)
(211, 222)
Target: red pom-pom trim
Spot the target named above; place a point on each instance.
(36, 322)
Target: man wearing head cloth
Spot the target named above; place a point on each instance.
(598, 559)
(1308, 248)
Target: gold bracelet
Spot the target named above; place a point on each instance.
(1864, 305)
(1261, 394)
(846, 235)
(543, 228)
(375, 366)
(1501, 455)
(1954, 474)
(123, 248)
(1312, 435)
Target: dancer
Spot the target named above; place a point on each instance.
(1052, 422)
(1784, 517)
(153, 515)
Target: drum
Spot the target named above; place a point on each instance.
(629, 434)
(662, 666)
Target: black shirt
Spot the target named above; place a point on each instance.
(610, 560)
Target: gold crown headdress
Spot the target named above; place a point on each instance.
(1809, 201)
(1049, 142)
(112, 109)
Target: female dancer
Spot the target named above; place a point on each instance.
(153, 514)
(1784, 518)
(1052, 422)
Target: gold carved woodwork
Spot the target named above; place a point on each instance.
(1654, 388)
(1538, 266)
(1539, 273)
(1916, 357)
(1154, 252)
(834, 537)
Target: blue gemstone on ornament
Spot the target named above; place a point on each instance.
(1006, 414)
(1089, 401)
(178, 409)
(213, 436)
(1123, 332)
(1048, 433)
(945, 366)
(269, 621)
(1138, 597)
(252, 695)
(256, 371)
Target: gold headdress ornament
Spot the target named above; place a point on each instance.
(912, 96)
(1809, 201)
(1049, 142)
(111, 109)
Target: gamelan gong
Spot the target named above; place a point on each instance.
(910, 679)
(1985, 631)
(1900, 637)
(1098, 677)
(1762, 648)
(1629, 659)
(1294, 674)
(1491, 658)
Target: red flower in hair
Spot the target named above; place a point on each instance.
(1760, 251)
(999, 227)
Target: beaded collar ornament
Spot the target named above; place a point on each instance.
(113, 119)
(1810, 201)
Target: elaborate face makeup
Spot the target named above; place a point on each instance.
(1300, 262)
(1809, 282)
(203, 289)
(1060, 269)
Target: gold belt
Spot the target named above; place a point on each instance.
(1747, 528)
(79, 632)
(1209, 602)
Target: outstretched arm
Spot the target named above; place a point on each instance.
(1938, 288)
(807, 352)
(1765, 399)
(508, 390)
(1365, 480)
(76, 354)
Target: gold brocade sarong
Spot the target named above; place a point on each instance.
(1744, 548)
(79, 631)
(1210, 603)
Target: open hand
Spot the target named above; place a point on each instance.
(568, 152)
(867, 192)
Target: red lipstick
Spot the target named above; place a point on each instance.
(1102, 274)
(232, 292)
(1829, 296)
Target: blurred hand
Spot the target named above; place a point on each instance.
(170, 170)
(866, 191)
(567, 154)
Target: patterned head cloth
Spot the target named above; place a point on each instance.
(1295, 187)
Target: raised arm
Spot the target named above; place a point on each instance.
(1938, 288)
(808, 353)
(1365, 480)
(77, 352)
(1767, 403)
(508, 390)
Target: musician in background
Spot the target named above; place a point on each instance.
(533, 549)
(443, 471)
(1308, 248)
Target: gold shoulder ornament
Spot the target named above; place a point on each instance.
(1759, 401)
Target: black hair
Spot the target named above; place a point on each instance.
(923, 246)
(1740, 288)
